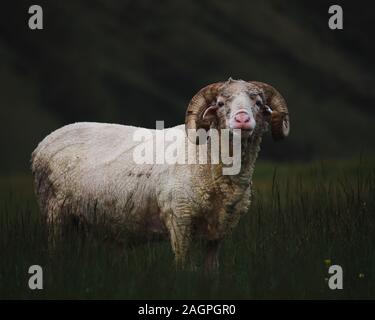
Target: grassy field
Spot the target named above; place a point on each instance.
(304, 218)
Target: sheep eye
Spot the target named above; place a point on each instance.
(220, 103)
(259, 103)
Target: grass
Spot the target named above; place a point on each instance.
(304, 218)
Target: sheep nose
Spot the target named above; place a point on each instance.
(242, 120)
(242, 117)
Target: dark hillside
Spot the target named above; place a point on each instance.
(135, 62)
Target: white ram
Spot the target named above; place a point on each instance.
(89, 167)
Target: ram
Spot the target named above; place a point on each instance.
(87, 168)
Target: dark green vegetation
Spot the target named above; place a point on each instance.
(135, 62)
(303, 218)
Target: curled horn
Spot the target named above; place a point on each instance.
(198, 104)
(280, 125)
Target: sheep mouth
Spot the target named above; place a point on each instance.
(245, 133)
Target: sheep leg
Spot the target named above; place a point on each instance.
(59, 221)
(180, 236)
(211, 260)
(54, 231)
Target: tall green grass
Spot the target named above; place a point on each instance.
(303, 219)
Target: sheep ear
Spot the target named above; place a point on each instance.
(267, 110)
(210, 113)
(209, 116)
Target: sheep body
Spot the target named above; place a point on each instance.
(87, 171)
(86, 166)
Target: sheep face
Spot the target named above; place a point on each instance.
(239, 105)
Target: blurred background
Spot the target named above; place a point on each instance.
(134, 62)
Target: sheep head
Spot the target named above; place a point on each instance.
(237, 104)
